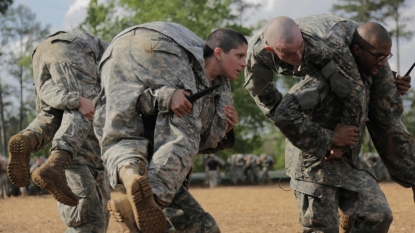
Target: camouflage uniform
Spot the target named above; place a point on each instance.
(308, 116)
(327, 40)
(65, 67)
(145, 64)
(3, 176)
(236, 168)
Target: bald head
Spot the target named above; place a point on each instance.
(371, 34)
(281, 30)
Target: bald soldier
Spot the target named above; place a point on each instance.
(324, 182)
(320, 43)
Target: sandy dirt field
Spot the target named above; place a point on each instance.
(236, 209)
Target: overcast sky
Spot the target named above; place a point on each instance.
(65, 14)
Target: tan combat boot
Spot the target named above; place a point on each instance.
(20, 147)
(345, 222)
(148, 215)
(51, 176)
(121, 210)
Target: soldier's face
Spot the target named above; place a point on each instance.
(233, 62)
(291, 52)
(372, 58)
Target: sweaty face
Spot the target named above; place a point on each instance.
(291, 53)
(233, 62)
(373, 58)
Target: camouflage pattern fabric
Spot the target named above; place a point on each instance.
(318, 206)
(91, 214)
(184, 214)
(326, 41)
(145, 64)
(393, 142)
(309, 130)
(3, 176)
(320, 181)
(65, 66)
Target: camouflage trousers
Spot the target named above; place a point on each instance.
(184, 214)
(68, 129)
(92, 186)
(3, 184)
(318, 207)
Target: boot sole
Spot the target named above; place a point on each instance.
(122, 212)
(18, 167)
(148, 215)
(56, 193)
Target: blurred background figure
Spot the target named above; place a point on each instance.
(266, 162)
(251, 169)
(32, 188)
(375, 162)
(235, 170)
(212, 168)
(3, 176)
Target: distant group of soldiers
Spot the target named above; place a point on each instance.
(241, 168)
(8, 189)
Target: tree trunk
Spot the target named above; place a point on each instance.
(2, 128)
(21, 99)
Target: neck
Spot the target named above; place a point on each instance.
(212, 67)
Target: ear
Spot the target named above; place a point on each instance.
(356, 50)
(218, 53)
(269, 49)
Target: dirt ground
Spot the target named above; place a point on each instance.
(236, 209)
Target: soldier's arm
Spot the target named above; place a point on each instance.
(302, 133)
(58, 97)
(259, 83)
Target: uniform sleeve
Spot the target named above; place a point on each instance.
(259, 83)
(57, 96)
(306, 135)
(152, 101)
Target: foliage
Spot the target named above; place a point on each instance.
(408, 116)
(202, 17)
(380, 11)
(20, 33)
(359, 10)
(4, 5)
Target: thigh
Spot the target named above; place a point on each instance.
(318, 209)
(369, 206)
(72, 132)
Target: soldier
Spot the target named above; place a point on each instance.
(212, 168)
(321, 43)
(251, 169)
(321, 173)
(65, 68)
(266, 162)
(236, 168)
(3, 176)
(166, 62)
